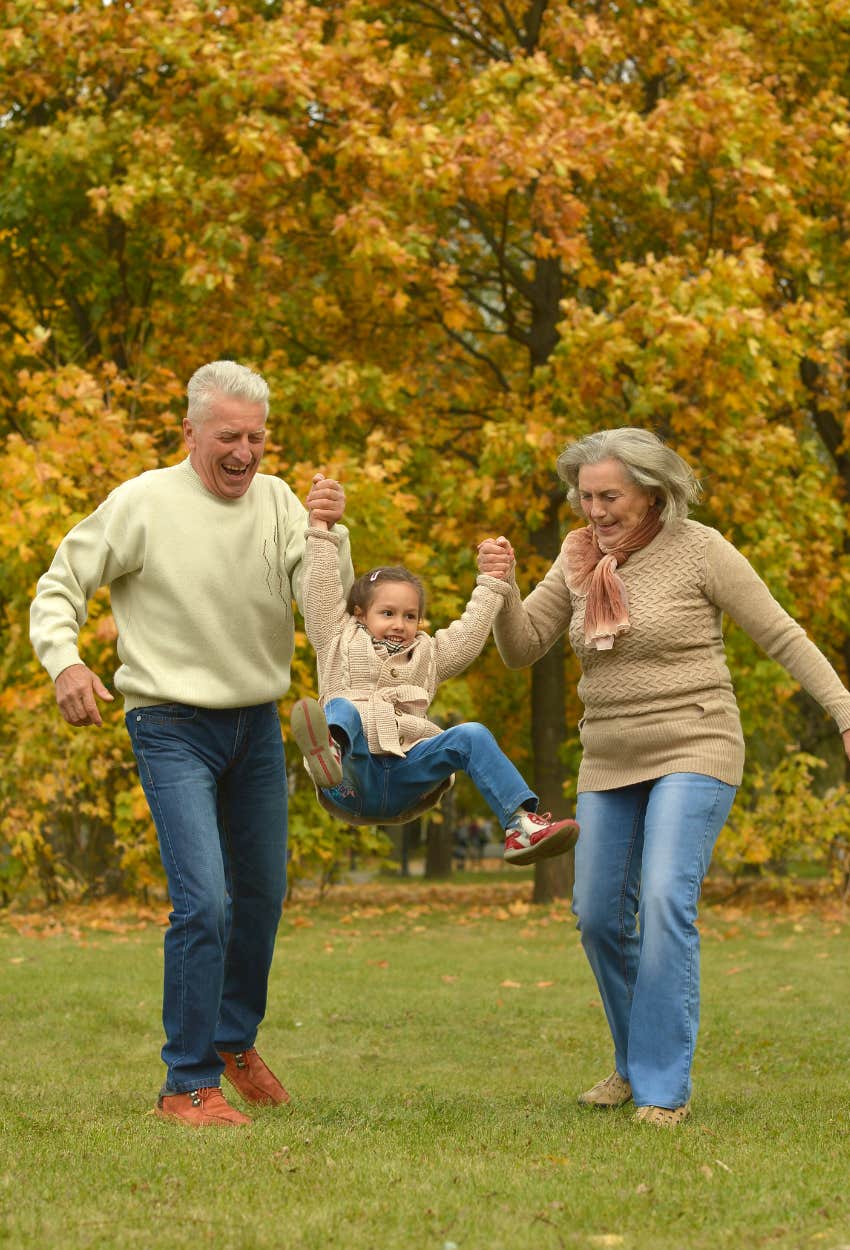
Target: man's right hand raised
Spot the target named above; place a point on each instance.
(76, 688)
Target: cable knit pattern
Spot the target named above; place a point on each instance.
(392, 694)
(662, 700)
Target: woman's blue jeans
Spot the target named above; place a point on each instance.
(382, 787)
(640, 862)
(215, 781)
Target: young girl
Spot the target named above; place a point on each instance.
(369, 747)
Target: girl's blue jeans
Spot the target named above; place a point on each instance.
(215, 781)
(640, 862)
(381, 787)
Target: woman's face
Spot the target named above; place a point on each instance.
(613, 504)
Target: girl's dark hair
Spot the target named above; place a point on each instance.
(363, 591)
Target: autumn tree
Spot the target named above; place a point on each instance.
(454, 237)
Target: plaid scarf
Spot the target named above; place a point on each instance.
(383, 644)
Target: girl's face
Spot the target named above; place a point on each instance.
(613, 504)
(393, 614)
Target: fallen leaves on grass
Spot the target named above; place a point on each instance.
(415, 901)
(71, 919)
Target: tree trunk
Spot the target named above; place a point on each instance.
(440, 840)
(553, 878)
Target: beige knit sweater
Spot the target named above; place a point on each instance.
(201, 589)
(662, 701)
(393, 692)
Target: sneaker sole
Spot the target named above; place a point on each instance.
(310, 731)
(556, 844)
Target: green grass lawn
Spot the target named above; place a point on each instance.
(434, 1053)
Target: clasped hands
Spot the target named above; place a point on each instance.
(496, 558)
(326, 501)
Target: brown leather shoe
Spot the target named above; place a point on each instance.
(254, 1081)
(202, 1106)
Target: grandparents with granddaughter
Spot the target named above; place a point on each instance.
(203, 560)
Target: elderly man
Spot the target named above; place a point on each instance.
(202, 560)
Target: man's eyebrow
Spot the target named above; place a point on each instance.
(261, 429)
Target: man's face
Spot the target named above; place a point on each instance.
(227, 447)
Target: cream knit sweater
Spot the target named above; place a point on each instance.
(662, 701)
(392, 693)
(201, 589)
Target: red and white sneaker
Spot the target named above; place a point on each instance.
(321, 754)
(530, 837)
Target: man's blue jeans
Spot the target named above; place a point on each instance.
(381, 787)
(642, 856)
(215, 781)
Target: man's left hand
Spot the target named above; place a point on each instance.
(326, 501)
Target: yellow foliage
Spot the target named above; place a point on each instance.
(452, 247)
(783, 819)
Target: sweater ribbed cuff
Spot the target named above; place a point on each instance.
(494, 583)
(332, 536)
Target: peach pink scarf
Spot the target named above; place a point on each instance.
(590, 570)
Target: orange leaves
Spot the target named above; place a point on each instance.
(452, 247)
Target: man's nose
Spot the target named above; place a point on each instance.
(242, 452)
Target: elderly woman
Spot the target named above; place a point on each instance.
(641, 590)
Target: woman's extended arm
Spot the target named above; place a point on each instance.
(736, 588)
(525, 629)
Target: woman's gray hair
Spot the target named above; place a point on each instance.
(648, 462)
(224, 377)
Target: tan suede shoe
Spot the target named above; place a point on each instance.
(199, 1108)
(614, 1091)
(253, 1079)
(663, 1117)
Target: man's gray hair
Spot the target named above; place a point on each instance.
(647, 461)
(224, 377)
